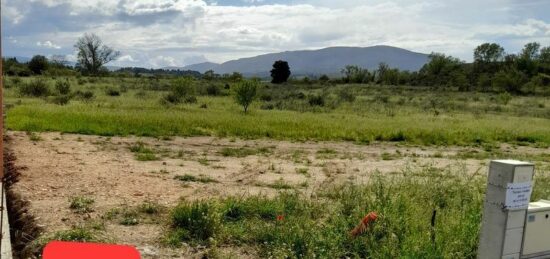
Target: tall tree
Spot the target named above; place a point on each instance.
(93, 54)
(488, 53)
(440, 69)
(528, 61)
(38, 64)
(488, 58)
(545, 55)
(531, 51)
(280, 72)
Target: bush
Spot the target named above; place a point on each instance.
(266, 97)
(181, 90)
(38, 64)
(346, 94)
(197, 220)
(213, 90)
(35, 88)
(61, 99)
(245, 93)
(112, 92)
(504, 98)
(85, 96)
(15, 81)
(81, 204)
(316, 100)
(63, 87)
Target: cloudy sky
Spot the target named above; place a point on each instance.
(158, 33)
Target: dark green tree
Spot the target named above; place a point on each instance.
(38, 64)
(356, 75)
(440, 70)
(488, 58)
(280, 72)
(488, 53)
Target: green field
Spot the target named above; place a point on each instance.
(376, 113)
(294, 224)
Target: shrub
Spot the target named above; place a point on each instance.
(85, 96)
(181, 90)
(63, 87)
(15, 81)
(75, 235)
(213, 90)
(81, 81)
(149, 208)
(245, 93)
(316, 100)
(192, 178)
(81, 204)
(112, 92)
(266, 97)
(346, 94)
(324, 78)
(504, 98)
(38, 64)
(35, 88)
(61, 99)
(196, 220)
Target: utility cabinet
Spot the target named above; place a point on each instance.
(536, 240)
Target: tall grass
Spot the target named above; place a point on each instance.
(378, 114)
(293, 226)
(226, 120)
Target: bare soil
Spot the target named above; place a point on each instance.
(61, 166)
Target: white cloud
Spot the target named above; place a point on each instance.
(171, 32)
(47, 44)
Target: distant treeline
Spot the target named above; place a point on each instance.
(527, 72)
(40, 65)
(493, 70)
(138, 71)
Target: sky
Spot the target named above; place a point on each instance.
(160, 33)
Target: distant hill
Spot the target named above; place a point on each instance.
(201, 67)
(324, 61)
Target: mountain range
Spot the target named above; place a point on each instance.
(328, 61)
(316, 62)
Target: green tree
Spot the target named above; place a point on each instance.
(544, 56)
(356, 74)
(528, 60)
(440, 69)
(280, 72)
(531, 51)
(209, 75)
(38, 64)
(245, 93)
(181, 90)
(488, 53)
(93, 54)
(487, 58)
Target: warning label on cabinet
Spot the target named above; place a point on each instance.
(518, 196)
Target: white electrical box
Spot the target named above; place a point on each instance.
(536, 240)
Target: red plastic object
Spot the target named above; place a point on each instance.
(72, 250)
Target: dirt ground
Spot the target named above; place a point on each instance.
(57, 167)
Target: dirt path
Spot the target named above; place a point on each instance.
(59, 167)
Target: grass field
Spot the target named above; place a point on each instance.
(377, 114)
(426, 210)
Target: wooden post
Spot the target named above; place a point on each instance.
(508, 194)
(1, 100)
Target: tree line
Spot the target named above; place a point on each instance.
(493, 70)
